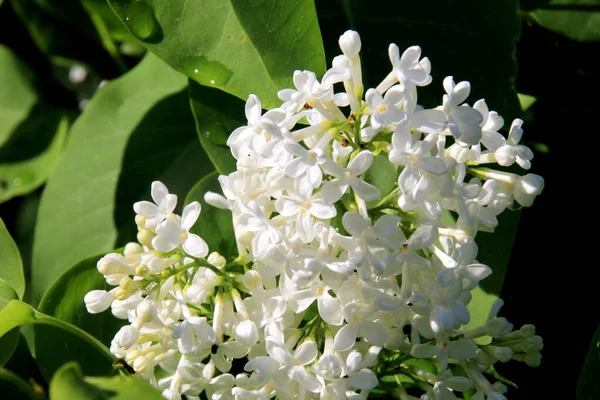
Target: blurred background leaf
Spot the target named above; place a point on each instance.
(588, 387)
(576, 19)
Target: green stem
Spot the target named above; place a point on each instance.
(390, 196)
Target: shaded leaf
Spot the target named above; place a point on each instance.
(241, 47)
(31, 153)
(17, 96)
(457, 37)
(494, 250)
(588, 387)
(72, 40)
(14, 387)
(577, 19)
(217, 114)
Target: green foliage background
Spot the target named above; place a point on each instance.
(74, 156)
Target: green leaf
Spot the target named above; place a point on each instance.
(13, 386)
(217, 114)
(31, 153)
(576, 19)
(137, 129)
(69, 383)
(456, 36)
(64, 300)
(241, 47)
(588, 386)
(17, 96)
(11, 266)
(215, 225)
(382, 174)
(76, 344)
(494, 251)
(8, 342)
(526, 101)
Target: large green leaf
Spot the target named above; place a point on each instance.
(456, 36)
(32, 151)
(215, 225)
(64, 300)
(17, 96)
(242, 47)
(576, 19)
(588, 386)
(217, 114)
(75, 343)
(137, 129)
(11, 266)
(12, 386)
(8, 342)
(69, 383)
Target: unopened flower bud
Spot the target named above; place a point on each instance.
(145, 237)
(216, 259)
(528, 330)
(499, 327)
(126, 337)
(146, 310)
(140, 221)
(533, 359)
(350, 43)
(528, 188)
(533, 345)
(129, 285)
(97, 301)
(142, 364)
(195, 294)
(142, 271)
(504, 354)
(113, 264)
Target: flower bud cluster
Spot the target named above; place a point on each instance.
(355, 220)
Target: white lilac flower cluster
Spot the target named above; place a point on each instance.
(337, 287)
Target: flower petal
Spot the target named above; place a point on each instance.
(190, 214)
(195, 246)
